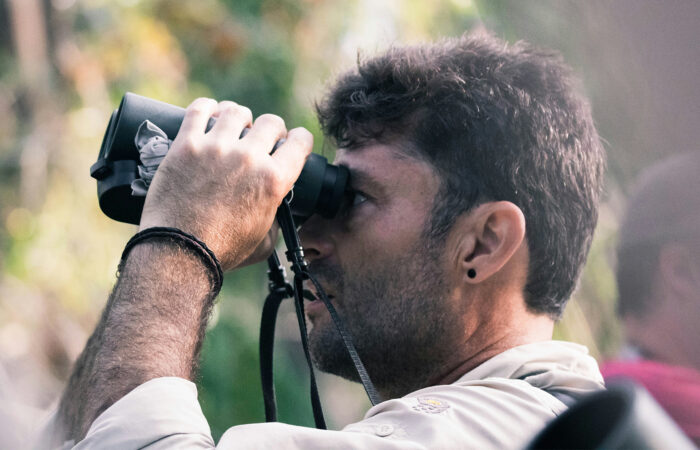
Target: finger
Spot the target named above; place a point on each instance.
(197, 115)
(232, 118)
(267, 129)
(292, 155)
(264, 249)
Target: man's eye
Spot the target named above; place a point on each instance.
(358, 198)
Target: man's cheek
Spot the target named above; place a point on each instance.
(390, 241)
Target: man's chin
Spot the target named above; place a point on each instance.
(328, 353)
(321, 325)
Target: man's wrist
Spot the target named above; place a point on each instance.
(169, 272)
(163, 300)
(184, 242)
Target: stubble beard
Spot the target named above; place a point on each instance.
(399, 317)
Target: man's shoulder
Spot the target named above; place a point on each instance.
(563, 369)
(489, 413)
(501, 403)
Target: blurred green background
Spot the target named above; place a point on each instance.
(64, 65)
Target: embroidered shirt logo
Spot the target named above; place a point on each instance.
(430, 405)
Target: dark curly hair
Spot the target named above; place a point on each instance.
(498, 122)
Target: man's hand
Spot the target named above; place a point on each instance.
(223, 189)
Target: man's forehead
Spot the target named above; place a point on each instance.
(364, 152)
(388, 170)
(377, 159)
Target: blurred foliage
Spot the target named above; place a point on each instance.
(60, 80)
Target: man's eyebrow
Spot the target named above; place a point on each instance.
(360, 179)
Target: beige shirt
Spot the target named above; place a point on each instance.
(502, 403)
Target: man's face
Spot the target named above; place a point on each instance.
(385, 277)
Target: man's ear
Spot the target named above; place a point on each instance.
(496, 232)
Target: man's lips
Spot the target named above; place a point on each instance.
(315, 304)
(309, 295)
(312, 294)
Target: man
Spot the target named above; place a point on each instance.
(658, 278)
(476, 169)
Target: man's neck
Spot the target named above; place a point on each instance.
(486, 343)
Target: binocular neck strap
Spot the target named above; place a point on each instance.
(371, 391)
(279, 290)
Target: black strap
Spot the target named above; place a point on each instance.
(279, 290)
(301, 318)
(267, 344)
(349, 345)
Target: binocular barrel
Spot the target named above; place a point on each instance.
(319, 189)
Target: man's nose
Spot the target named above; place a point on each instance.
(315, 238)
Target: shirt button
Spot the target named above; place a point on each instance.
(384, 430)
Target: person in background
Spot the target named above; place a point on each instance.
(658, 278)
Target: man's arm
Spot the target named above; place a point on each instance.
(225, 191)
(152, 327)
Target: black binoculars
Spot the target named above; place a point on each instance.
(320, 188)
